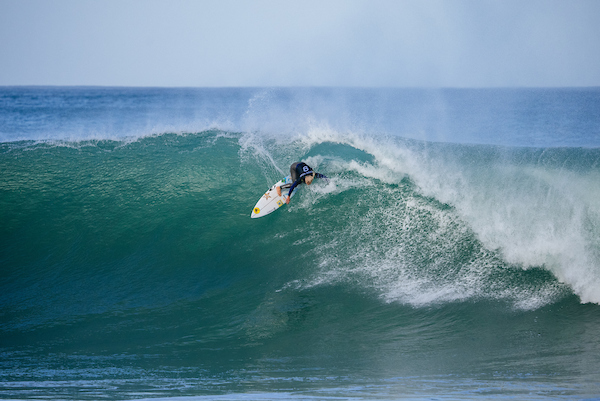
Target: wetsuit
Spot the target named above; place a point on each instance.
(299, 171)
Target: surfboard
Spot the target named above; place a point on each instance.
(270, 201)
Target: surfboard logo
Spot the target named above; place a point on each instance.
(256, 210)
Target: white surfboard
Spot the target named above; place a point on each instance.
(270, 201)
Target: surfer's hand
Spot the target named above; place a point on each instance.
(278, 191)
(287, 200)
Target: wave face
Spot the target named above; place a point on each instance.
(425, 267)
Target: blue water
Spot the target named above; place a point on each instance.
(454, 254)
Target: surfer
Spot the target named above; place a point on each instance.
(301, 173)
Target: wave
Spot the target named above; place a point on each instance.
(412, 222)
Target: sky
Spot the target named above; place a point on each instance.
(358, 43)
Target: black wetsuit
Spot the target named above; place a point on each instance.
(299, 171)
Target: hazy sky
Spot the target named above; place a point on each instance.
(451, 43)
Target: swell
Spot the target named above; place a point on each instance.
(102, 226)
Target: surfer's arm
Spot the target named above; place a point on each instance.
(294, 185)
(298, 181)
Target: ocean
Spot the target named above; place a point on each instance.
(454, 253)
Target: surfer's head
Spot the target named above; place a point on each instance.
(309, 178)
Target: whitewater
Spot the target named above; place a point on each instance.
(454, 253)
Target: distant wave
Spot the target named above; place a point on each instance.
(508, 117)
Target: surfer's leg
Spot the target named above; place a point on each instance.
(293, 172)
